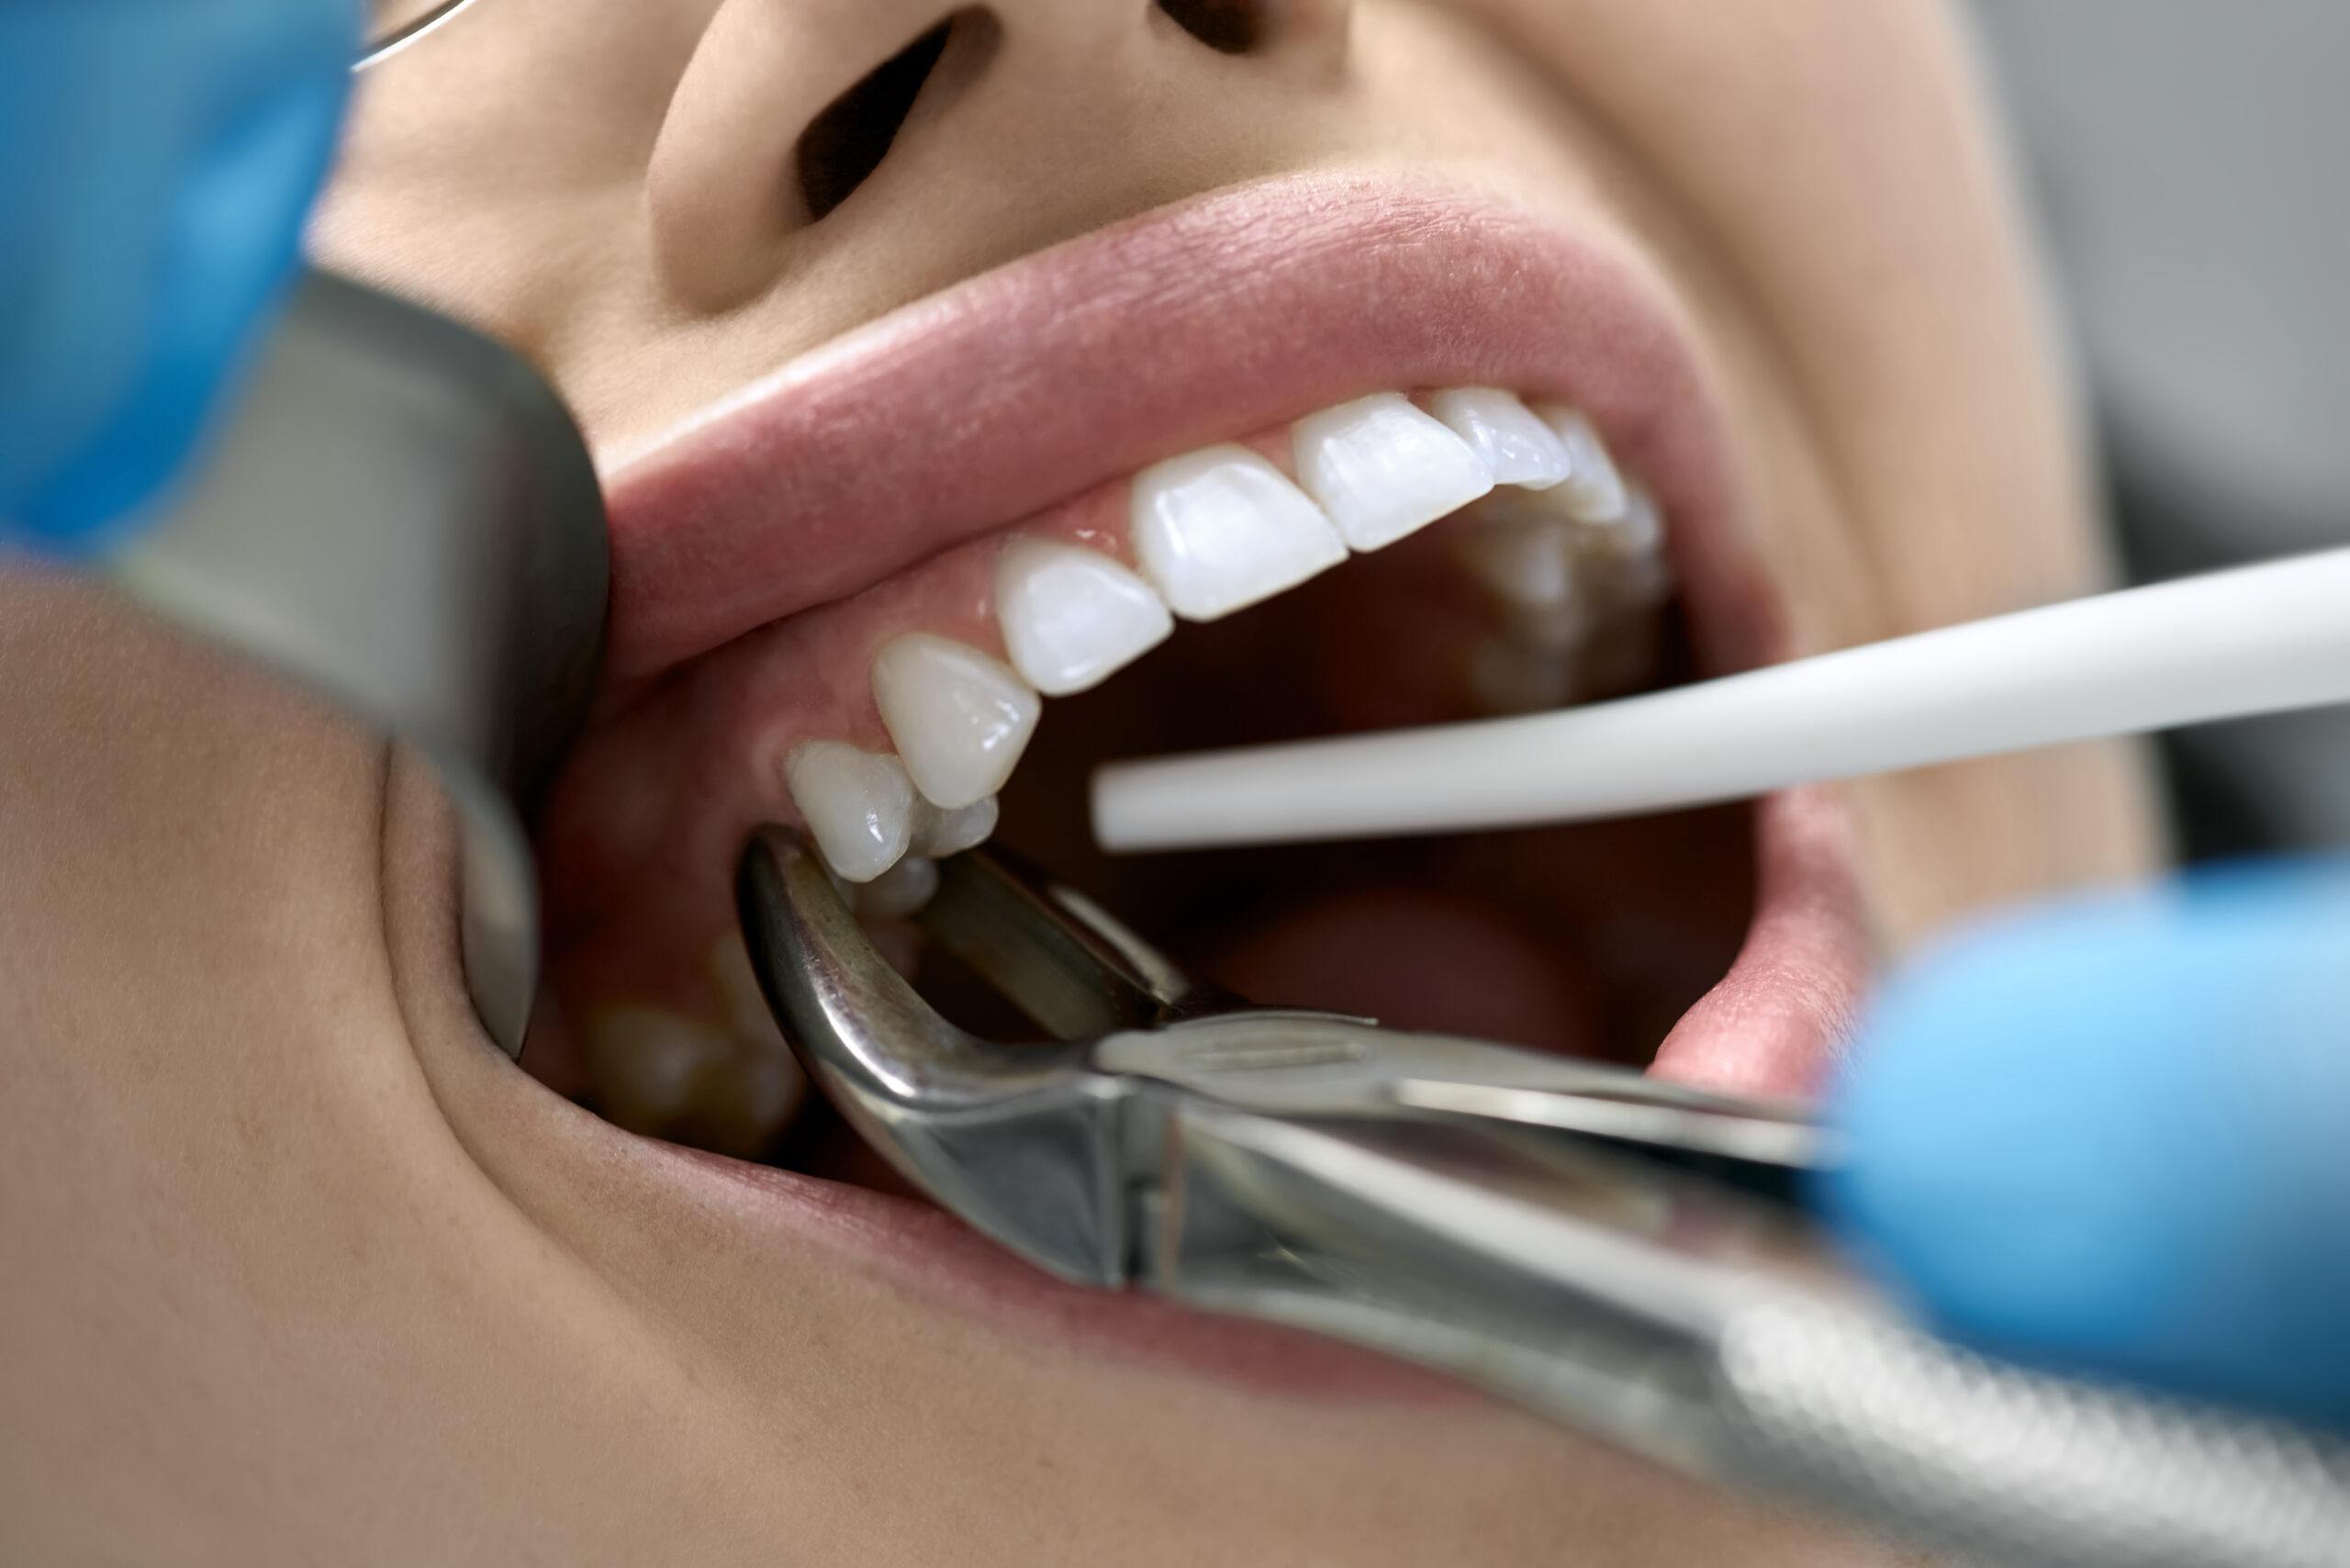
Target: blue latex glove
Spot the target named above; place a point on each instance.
(157, 158)
(2115, 1135)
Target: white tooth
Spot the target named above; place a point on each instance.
(902, 889)
(1509, 676)
(859, 805)
(1382, 469)
(1072, 616)
(939, 833)
(646, 1062)
(1526, 563)
(1220, 529)
(1518, 448)
(960, 718)
(1591, 490)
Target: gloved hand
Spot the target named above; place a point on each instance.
(157, 159)
(2114, 1135)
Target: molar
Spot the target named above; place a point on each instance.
(1381, 469)
(1219, 529)
(859, 805)
(1072, 616)
(960, 719)
(1593, 490)
(1518, 448)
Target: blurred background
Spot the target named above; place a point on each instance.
(2190, 164)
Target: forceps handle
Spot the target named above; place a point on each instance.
(1716, 1364)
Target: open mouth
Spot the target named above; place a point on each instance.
(1311, 456)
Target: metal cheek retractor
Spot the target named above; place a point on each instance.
(402, 517)
(1629, 1257)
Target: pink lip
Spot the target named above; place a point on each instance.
(958, 414)
(967, 411)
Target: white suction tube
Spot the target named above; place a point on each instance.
(2256, 639)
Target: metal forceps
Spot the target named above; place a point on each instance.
(1629, 1257)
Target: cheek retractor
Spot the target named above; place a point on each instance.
(1629, 1257)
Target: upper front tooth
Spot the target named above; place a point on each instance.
(1518, 448)
(1593, 490)
(938, 833)
(1382, 469)
(1072, 616)
(1220, 529)
(960, 718)
(859, 805)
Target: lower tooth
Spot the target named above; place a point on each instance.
(1507, 676)
(903, 889)
(647, 1063)
(859, 805)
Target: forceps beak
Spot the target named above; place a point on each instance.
(1022, 1141)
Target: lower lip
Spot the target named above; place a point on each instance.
(931, 1255)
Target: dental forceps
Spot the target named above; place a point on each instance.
(1629, 1257)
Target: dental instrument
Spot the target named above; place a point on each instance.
(1627, 1257)
(403, 518)
(2258, 639)
(389, 508)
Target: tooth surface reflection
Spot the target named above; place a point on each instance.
(1382, 469)
(1220, 529)
(902, 889)
(859, 805)
(940, 834)
(1072, 616)
(960, 719)
(1516, 446)
(1593, 489)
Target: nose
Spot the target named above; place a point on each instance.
(1003, 125)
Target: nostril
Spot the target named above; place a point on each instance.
(846, 143)
(1229, 27)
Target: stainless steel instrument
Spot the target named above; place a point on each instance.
(402, 517)
(1629, 1257)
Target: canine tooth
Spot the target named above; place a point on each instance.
(859, 805)
(1518, 447)
(902, 889)
(1072, 616)
(1219, 529)
(1593, 489)
(1382, 469)
(960, 718)
(940, 834)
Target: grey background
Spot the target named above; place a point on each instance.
(2190, 160)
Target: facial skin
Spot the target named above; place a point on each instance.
(299, 1268)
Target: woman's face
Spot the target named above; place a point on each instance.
(850, 294)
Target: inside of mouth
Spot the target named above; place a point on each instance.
(1591, 940)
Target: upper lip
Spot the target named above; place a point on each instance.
(966, 411)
